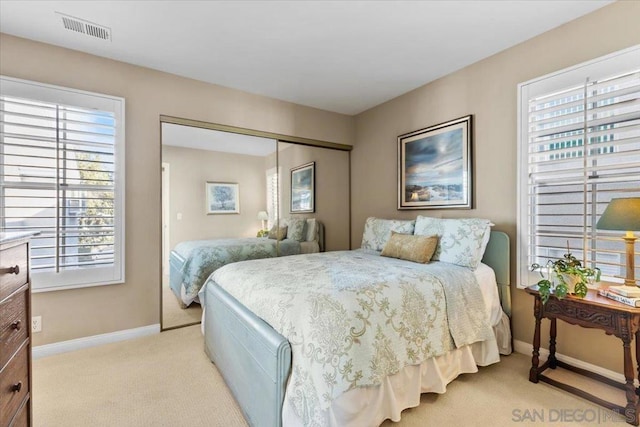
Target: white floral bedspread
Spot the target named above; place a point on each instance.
(353, 317)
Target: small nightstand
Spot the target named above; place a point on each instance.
(593, 311)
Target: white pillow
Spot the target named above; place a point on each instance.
(378, 231)
(312, 230)
(462, 241)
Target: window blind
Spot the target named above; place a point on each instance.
(58, 165)
(582, 145)
(272, 196)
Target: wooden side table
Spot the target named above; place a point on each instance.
(593, 311)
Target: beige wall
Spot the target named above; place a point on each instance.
(84, 312)
(332, 189)
(189, 170)
(487, 90)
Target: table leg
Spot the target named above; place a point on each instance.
(553, 363)
(535, 359)
(631, 410)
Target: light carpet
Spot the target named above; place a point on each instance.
(167, 380)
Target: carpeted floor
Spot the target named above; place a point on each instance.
(172, 314)
(167, 380)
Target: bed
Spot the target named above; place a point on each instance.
(191, 262)
(255, 357)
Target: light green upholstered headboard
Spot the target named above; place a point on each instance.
(496, 256)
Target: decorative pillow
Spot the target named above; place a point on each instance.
(278, 233)
(295, 228)
(410, 247)
(462, 241)
(312, 230)
(377, 231)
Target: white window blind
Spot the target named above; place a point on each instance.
(579, 148)
(61, 175)
(272, 196)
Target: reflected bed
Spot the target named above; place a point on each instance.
(192, 262)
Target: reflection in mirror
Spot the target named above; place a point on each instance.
(229, 197)
(314, 183)
(218, 191)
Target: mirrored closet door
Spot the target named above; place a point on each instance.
(232, 196)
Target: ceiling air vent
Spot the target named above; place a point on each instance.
(85, 27)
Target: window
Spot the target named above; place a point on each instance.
(62, 175)
(272, 196)
(579, 147)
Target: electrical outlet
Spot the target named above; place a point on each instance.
(36, 324)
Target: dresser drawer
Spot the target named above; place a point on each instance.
(14, 325)
(22, 417)
(14, 385)
(10, 277)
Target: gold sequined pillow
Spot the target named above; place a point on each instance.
(410, 247)
(278, 233)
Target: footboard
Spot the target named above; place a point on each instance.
(175, 273)
(251, 356)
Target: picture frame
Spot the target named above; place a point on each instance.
(222, 198)
(303, 188)
(435, 166)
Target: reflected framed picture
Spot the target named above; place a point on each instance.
(303, 184)
(222, 198)
(434, 167)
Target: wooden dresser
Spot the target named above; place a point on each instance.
(15, 331)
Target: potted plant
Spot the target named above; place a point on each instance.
(569, 275)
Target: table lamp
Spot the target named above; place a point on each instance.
(263, 216)
(624, 214)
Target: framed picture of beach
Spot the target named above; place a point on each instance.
(222, 198)
(434, 167)
(303, 188)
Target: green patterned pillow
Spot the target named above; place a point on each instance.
(410, 247)
(278, 233)
(377, 231)
(462, 241)
(296, 229)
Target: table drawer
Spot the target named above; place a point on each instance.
(13, 269)
(14, 325)
(14, 385)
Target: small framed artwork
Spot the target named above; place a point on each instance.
(434, 167)
(222, 198)
(303, 184)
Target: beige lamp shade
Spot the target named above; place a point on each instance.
(263, 215)
(621, 214)
(624, 215)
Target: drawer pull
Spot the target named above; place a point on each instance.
(10, 270)
(16, 325)
(16, 387)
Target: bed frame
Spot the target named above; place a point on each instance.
(255, 360)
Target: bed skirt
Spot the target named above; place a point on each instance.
(370, 406)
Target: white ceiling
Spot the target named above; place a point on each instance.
(213, 140)
(342, 56)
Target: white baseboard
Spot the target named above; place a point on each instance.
(92, 341)
(526, 348)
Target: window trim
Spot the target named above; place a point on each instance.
(83, 278)
(562, 78)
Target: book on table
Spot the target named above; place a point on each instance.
(625, 291)
(633, 302)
